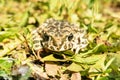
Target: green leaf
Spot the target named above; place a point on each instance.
(97, 49)
(6, 34)
(77, 67)
(53, 4)
(6, 64)
(103, 78)
(109, 63)
(99, 65)
(24, 20)
(86, 60)
(115, 65)
(4, 75)
(92, 29)
(115, 46)
(51, 58)
(68, 52)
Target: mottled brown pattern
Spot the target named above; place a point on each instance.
(58, 35)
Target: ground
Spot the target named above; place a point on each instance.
(98, 61)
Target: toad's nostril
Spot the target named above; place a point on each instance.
(51, 47)
(58, 48)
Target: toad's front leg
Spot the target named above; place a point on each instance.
(37, 46)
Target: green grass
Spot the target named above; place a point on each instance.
(99, 61)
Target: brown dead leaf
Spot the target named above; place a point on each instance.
(38, 72)
(76, 76)
(64, 77)
(52, 69)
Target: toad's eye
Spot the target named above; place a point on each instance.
(46, 37)
(70, 37)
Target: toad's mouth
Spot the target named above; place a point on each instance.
(56, 49)
(68, 51)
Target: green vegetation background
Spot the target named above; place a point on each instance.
(101, 19)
